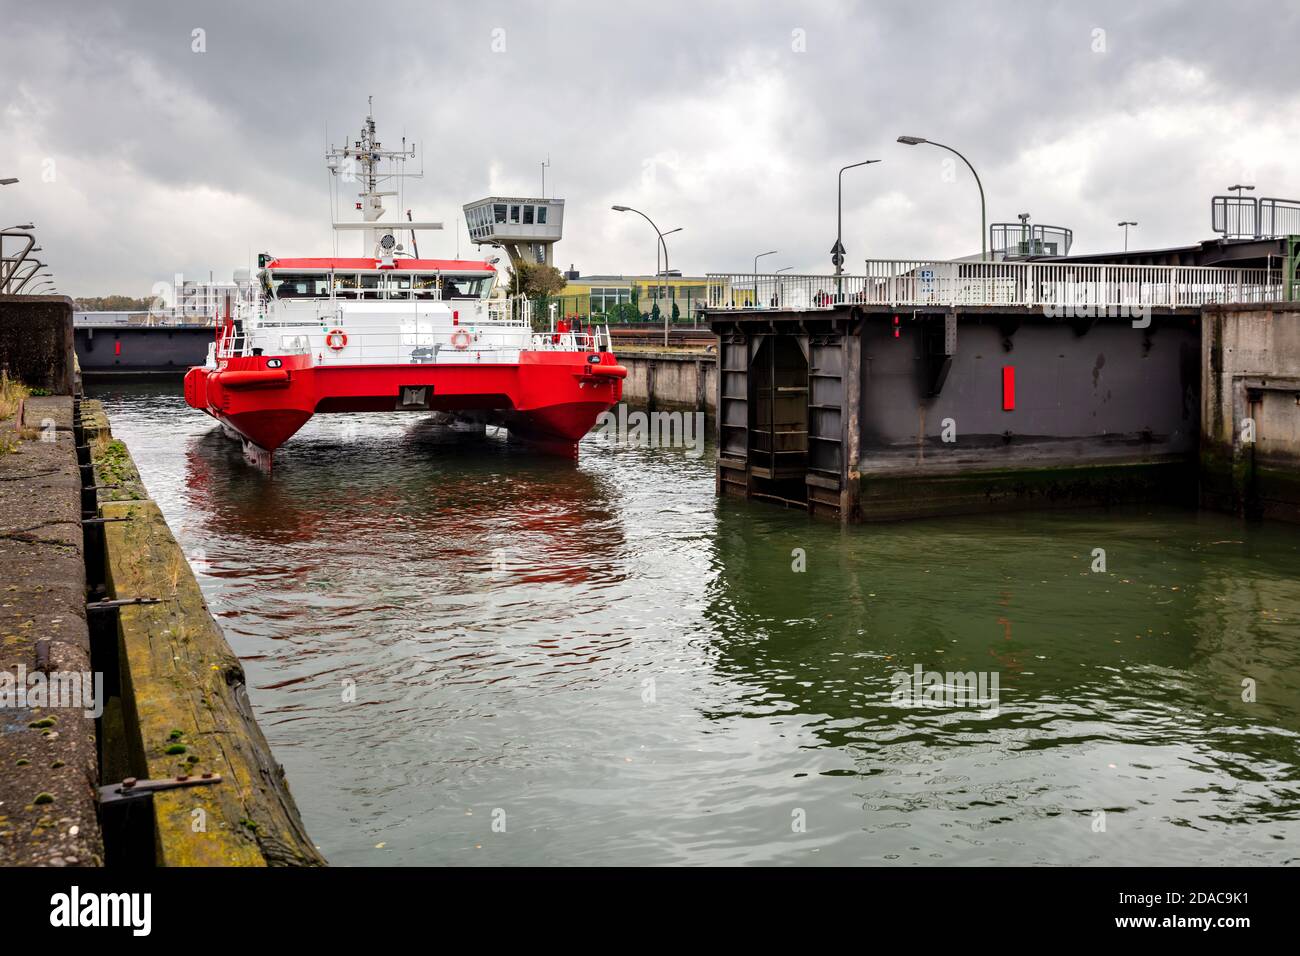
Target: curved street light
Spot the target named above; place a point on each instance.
(1126, 223)
(756, 258)
(919, 140)
(661, 244)
(837, 254)
(33, 269)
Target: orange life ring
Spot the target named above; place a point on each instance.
(460, 339)
(336, 339)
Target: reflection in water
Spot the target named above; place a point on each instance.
(624, 670)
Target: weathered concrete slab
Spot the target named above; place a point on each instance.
(94, 421)
(185, 703)
(47, 753)
(1251, 373)
(48, 412)
(684, 378)
(36, 341)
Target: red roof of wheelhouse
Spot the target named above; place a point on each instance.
(399, 265)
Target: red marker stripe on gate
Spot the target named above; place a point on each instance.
(1008, 388)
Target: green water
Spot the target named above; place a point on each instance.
(604, 664)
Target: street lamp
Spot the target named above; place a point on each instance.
(917, 141)
(756, 258)
(661, 237)
(1126, 224)
(837, 253)
(660, 243)
(1238, 188)
(780, 286)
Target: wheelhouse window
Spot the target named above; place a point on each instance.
(294, 286)
(514, 214)
(464, 287)
(541, 215)
(528, 215)
(433, 286)
(499, 211)
(425, 286)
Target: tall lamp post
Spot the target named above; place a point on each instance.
(780, 287)
(1126, 223)
(837, 252)
(984, 239)
(660, 244)
(756, 258)
(1237, 188)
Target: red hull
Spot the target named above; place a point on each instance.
(549, 398)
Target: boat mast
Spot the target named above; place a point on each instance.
(364, 160)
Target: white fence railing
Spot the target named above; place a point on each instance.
(1046, 285)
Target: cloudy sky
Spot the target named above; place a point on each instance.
(141, 157)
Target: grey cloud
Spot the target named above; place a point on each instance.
(117, 94)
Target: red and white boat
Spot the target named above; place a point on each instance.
(395, 332)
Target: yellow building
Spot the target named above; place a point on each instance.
(625, 298)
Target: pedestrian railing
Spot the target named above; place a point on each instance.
(1245, 217)
(1046, 285)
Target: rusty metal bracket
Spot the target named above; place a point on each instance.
(120, 602)
(133, 789)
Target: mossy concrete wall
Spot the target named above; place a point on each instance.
(48, 773)
(36, 341)
(184, 696)
(674, 378)
(1250, 410)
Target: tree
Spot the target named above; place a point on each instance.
(677, 313)
(110, 303)
(655, 314)
(623, 312)
(535, 280)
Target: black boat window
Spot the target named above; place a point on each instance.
(300, 286)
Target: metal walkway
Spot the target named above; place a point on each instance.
(1067, 287)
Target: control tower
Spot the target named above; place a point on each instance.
(525, 228)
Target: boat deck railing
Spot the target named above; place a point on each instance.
(1045, 285)
(410, 341)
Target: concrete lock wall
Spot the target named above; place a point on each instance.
(686, 379)
(907, 415)
(109, 349)
(1250, 418)
(36, 341)
(1097, 414)
(1113, 392)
